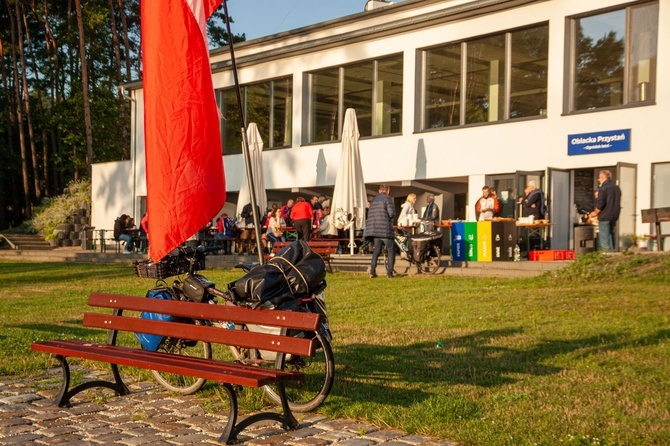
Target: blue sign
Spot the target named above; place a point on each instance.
(599, 142)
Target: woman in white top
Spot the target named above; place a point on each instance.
(274, 233)
(407, 210)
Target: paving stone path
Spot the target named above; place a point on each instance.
(152, 416)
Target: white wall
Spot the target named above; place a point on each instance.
(474, 151)
(111, 191)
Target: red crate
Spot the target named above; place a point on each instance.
(551, 254)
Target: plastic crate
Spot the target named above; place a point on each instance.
(551, 254)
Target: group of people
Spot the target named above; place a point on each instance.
(533, 203)
(308, 218)
(124, 228)
(381, 218)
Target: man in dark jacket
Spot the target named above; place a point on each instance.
(379, 226)
(608, 207)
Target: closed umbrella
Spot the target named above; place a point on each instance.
(347, 208)
(256, 155)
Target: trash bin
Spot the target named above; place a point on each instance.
(585, 239)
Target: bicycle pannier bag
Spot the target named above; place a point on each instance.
(149, 341)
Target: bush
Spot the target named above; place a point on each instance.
(56, 211)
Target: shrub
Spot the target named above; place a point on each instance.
(55, 211)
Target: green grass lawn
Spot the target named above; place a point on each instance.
(577, 357)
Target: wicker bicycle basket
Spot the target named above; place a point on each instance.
(171, 266)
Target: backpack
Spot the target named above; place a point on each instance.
(149, 341)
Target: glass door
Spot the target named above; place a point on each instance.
(660, 196)
(626, 179)
(560, 211)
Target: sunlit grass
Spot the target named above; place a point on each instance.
(577, 357)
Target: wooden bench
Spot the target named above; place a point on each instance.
(322, 247)
(226, 373)
(657, 216)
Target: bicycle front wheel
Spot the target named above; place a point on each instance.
(307, 395)
(186, 385)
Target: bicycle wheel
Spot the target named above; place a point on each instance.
(432, 263)
(307, 395)
(186, 385)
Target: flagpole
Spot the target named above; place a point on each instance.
(245, 142)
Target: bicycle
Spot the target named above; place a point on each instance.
(303, 396)
(423, 250)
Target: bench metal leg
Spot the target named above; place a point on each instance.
(232, 428)
(64, 395)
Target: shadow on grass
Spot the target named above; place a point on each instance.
(402, 375)
(53, 273)
(67, 330)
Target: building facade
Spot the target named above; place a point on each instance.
(450, 95)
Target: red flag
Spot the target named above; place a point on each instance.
(185, 179)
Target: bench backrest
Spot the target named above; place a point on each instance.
(182, 326)
(319, 247)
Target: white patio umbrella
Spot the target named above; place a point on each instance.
(347, 208)
(256, 156)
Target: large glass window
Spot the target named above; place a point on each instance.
(269, 104)
(497, 77)
(614, 59)
(443, 87)
(485, 79)
(373, 88)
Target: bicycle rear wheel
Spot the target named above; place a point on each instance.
(186, 385)
(307, 395)
(432, 263)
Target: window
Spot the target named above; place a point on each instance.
(613, 60)
(269, 104)
(372, 88)
(488, 79)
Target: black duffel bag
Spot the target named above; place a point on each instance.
(291, 274)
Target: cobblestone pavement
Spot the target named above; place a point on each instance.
(152, 416)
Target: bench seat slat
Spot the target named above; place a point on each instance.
(210, 369)
(240, 338)
(286, 319)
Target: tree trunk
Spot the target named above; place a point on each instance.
(126, 39)
(84, 87)
(20, 14)
(27, 211)
(122, 101)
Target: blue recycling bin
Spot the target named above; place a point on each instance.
(458, 251)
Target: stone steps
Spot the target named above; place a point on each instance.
(26, 241)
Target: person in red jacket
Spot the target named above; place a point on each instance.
(301, 216)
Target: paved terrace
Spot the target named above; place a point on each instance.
(152, 416)
(340, 262)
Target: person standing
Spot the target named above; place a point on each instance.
(407, 211)
(608, 208)
(432, 212)
(485, 207)
(533, 202)
(379, 226)
(302, 215)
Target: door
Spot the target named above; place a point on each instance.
(626, 178)
(506, 192)
(660, 196)
(559, 207)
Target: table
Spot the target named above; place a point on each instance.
(539, 229)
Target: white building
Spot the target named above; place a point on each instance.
(451, 95)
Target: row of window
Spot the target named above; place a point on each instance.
(499, 77)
